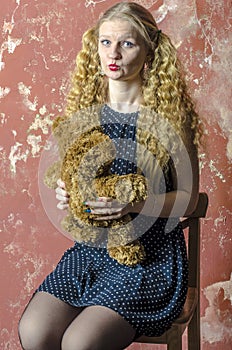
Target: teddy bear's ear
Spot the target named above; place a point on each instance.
(52, 175)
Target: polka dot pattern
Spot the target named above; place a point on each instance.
(149, 295)
(121, 128)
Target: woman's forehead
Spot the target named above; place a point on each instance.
(118, 27)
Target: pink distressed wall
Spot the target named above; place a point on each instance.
(39, 40)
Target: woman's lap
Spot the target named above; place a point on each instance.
(48, 322)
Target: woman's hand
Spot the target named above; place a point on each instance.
(62, 195)
(104, 208)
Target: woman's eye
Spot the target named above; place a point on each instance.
(127, 44)
(105, 42)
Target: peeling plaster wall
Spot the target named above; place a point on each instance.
(39, 41)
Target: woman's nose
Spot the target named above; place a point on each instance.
(115, 52)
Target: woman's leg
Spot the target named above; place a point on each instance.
(98, 328)
(44, 322)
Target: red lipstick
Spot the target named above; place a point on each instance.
(114, 67)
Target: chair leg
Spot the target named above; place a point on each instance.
(175, 343)
(194, 337)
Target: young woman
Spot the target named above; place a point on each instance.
(90, 301)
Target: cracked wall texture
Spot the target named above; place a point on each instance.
(39, 41)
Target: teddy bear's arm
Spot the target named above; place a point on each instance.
(128, 188)
(52, 174)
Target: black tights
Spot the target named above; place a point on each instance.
(50, 324)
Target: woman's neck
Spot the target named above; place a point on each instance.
(125, 96)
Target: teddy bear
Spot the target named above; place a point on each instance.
(85, 169)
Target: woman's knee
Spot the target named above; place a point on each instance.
(28, 334)
(98, 328)
(74, 341)
(69, 342)
(44, 322)
(34, 335)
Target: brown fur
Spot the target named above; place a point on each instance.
(85, 169)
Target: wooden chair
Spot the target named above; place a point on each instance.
(190, 316)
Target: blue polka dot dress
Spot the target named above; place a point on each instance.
(149, 295)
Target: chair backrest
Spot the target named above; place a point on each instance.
(193, 224)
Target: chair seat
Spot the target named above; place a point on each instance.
(180, 322)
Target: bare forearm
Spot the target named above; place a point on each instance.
(175, 204)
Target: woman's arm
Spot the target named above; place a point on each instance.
(180, 202)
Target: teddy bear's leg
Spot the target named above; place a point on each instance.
(83, 232)
(123, 245)
(129, 254)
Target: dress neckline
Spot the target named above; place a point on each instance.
(109, 109)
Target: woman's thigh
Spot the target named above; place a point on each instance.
(98, 328)
(44, 322)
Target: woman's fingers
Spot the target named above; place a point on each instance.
(62, 205)
(62, 195)
(60, 183)
(107, 213)
(104, 202)
(108, 217)
(105, 208)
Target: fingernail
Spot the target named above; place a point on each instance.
(87, 210)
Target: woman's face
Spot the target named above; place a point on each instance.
(121, 49)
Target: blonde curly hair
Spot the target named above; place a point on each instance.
(164, 88)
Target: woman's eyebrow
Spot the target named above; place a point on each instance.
(124, 36)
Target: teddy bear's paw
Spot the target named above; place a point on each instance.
(84, 233)
(125, 188)
(130, 254)
(121, 232)
(131, 188)
(87, 236)
(52, 174)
